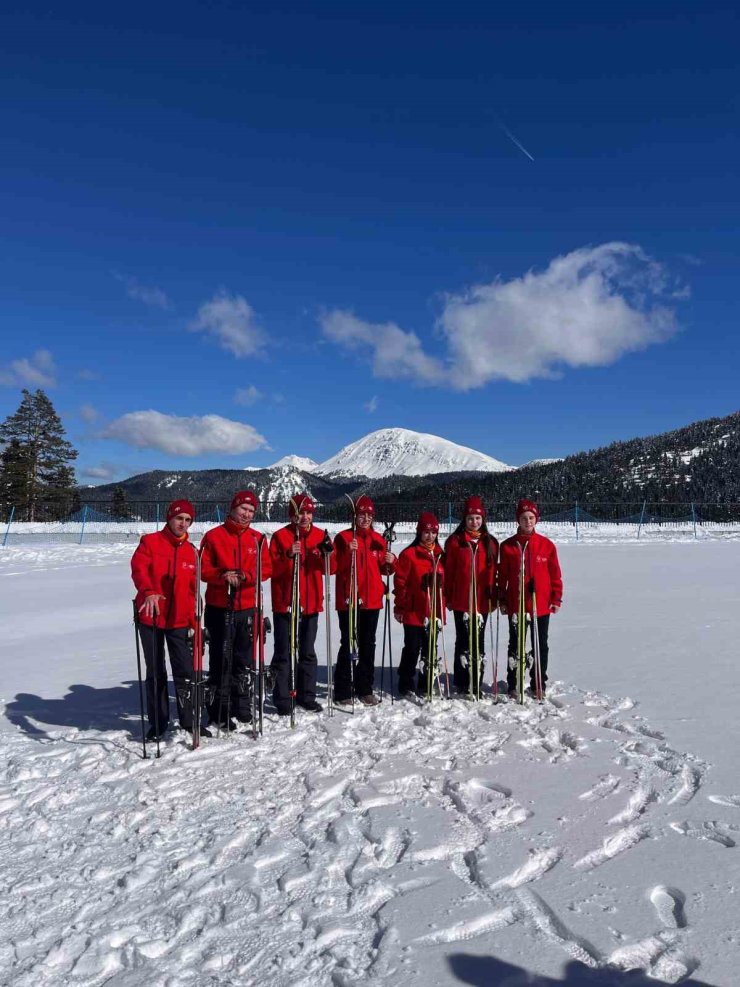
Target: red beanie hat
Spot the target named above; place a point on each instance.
(474, 505)
(244, 497)
(427, 522)
(180, 507)
(365, 506)
(301, 502)
(527, 505)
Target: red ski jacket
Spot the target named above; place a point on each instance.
(370, 568)
(540, 563)
(311, 569)
(412, 583)
(231, 547)
(165, 564)
(460, 550)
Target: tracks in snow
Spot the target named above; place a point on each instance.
(312, 856)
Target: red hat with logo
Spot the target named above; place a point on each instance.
(244, 497)
(364, 505)
(427, 522)
(180, 507)
(474, 505)
(301, 503)
(527, 505)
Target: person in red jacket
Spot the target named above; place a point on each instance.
(419, 573)
(229, 556)
(373, 561)
(470, 549)
(541, 573)
(163, 571)
(298, 542)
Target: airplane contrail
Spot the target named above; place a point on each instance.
(513, 139)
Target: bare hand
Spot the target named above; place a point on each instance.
(389, 558)
(554, 607)
(150, 606)
(354, 545)
(234, 578)
(295, 548)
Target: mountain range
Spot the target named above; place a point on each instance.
(700, 462)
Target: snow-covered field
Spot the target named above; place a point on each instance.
(591, 840)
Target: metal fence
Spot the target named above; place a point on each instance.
(101, 520)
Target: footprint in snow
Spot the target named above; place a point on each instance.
(712, 831)
(732, 801)
(669, 904)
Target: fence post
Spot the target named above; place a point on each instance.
(693, 517)
(576, 520)
(218, 513)
(642, 516)
(84, 519)
(7, 530)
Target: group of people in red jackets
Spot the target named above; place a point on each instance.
(471, 578)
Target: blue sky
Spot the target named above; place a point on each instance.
(511, 225)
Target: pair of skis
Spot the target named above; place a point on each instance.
(435, 630)
(525, 659)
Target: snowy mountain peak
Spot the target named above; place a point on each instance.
(400, 451)
(298, 462)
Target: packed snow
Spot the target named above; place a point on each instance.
(390, 451)
(590, 840)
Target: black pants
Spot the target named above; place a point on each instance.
(543, 627)
(364, 670)
(179, 648)
(305, 676)
(463, 658)
(415, 647)
(231, 691)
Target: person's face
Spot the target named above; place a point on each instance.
(473, 522)
(179, 524)
(527, 521)
(364, 520)
(243, 514)
(428, 538)
(305, 519)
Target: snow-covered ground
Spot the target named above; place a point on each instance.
(453, 844)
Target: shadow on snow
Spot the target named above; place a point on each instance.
(483, 971)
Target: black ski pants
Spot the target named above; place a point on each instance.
(231, 689)
(415, 650)
(463, 658)
(305, 673)
(179, 648)
(364, 670)
(543, 628)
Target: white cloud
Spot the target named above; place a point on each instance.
(88, 413)
(35, 371)
(588, 308)
(231, 320)
(104, 471)
(87, 374)
(148, 294)
(185, 436)
(395, 354)
(371, 405)
(247, 395)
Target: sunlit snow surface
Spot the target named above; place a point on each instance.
(591, 840)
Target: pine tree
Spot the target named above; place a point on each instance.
(35, 464)
(119, 507)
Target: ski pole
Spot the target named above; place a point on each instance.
(522, 626)
(155, 663)
(197, 654)
(227, 657)
(141, 685)
(444, 644)
(327, 548)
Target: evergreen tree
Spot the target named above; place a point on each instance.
(119, 506)
(35, 464)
